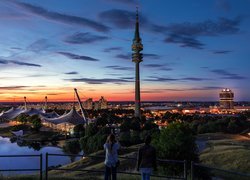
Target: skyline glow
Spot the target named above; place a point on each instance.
(192, 49)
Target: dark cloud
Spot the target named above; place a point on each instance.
(77, 57)
(121, 18)
(25, 64)
(16, 48)
(83, 38)
(151, 91)
(184, 41)
(63, 18)
(128, 78)
(4, 61)
(12, 87)
(133, 2)
(124, 56)
(227, 75)
(112, 49)
(71, 73)
(187, 34)
(119, 68)
(160, 79)
(152, 56)
(221, 52)
(195, 89)
(222, 26)
(158, 67)
(114, 74)
(154, 65)
(54, 94)
(100, 81)
(194, 79)
(39, 45)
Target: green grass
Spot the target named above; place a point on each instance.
(230, 152)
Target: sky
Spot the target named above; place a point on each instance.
(192, 49)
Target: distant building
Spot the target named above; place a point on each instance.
(226, 99)
(88, 104)
(101, 104)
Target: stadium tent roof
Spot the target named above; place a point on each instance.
(52, 114)
(73, 117)
(33, 111)
(12, 113)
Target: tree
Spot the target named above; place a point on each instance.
(36, 122)
(135, 125)
(79, 130)
(149, 125)
(125, 126)
(23, 118)
(91, 129)
(176, 141)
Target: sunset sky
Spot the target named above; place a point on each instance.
(192, 49)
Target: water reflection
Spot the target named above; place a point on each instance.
(18, 147)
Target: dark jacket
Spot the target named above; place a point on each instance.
(146, 157)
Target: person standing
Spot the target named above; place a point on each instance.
(146, 160)
(111, 157)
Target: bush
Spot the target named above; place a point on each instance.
(125, 138)
(91, 129)
(135, 137)
(79, 130)
(72, 147)
(90, 144)
(36, 122)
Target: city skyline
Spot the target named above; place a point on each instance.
(192, 49)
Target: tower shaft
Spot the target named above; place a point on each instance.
(137, 47)
(137, 91)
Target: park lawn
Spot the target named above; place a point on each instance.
(230, 152)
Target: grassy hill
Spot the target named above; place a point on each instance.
(226, 151)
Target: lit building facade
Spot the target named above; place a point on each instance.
(101, 104)
(88, 104)
(226, 99)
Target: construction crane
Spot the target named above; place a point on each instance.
(81, 107)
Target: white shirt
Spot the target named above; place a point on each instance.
(111, 156)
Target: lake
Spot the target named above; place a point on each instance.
(8, 148)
